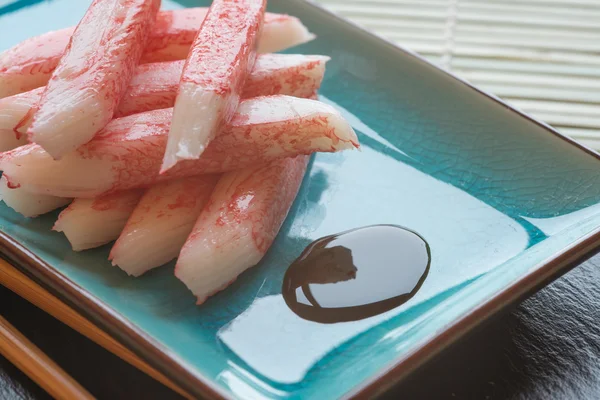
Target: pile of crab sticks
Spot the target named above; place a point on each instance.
(176, 134)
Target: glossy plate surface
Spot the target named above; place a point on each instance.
(504, 203)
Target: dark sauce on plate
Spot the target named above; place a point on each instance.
(356, 274)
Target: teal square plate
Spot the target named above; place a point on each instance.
(505, 202)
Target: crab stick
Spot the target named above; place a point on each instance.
(155, 85)
(13, 110)
(221, 57)
(93, 74)
(128, 152)
(30, 64)
(89, 223)
(29, 204)
(238, 225)
(160, 224)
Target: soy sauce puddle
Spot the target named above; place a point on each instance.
(356, 274)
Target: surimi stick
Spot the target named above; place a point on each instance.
(29, 204)
(13, 111)
(175, 31)
(89, 223)
(128, 152)
(238, 225)
(213, 76)
(160, 224)
(279, 31)
(29, 64)
(93, 74)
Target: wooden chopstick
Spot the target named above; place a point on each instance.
(38, 366)
(22, 285)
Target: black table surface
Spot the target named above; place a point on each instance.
(548, 347)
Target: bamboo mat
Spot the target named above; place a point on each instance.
(542, 56)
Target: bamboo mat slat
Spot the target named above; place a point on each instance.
(542, 56)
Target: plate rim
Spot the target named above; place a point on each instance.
(180, 372)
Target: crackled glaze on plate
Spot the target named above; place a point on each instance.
(497, 196)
